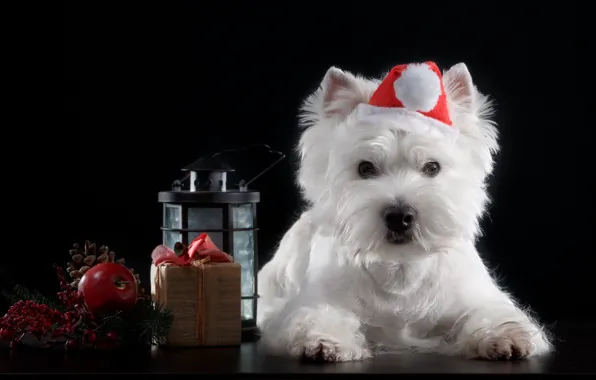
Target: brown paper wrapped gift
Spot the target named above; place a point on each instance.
(204, 297)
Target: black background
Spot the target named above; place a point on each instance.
(151, 86)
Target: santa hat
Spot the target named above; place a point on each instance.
(412, 93)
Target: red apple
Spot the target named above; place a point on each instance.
(108, 287)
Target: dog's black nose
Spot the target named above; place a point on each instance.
(399, 219)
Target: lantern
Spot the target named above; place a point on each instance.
(228, 216)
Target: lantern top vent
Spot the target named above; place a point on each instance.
(208, 176)
(209, 164)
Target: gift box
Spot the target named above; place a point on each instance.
(202, 288)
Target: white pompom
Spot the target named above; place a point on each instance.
(418, 88)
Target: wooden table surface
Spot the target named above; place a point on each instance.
(575, 354)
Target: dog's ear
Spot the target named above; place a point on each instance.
(459, 87)
(337, 96)
(471, 112)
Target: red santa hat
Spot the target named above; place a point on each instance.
(413, 93)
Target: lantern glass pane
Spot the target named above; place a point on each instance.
(173, 216)
(247, 310)
(242, 216)
(244, 252)
(216, 238)
(170, 238)
(208, 218)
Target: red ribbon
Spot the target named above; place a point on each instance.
(200, 248)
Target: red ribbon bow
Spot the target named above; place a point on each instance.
(200, 248)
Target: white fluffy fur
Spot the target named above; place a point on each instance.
(418, 87)
(336, 289)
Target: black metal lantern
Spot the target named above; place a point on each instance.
(228, 216)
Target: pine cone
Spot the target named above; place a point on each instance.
(76, 274)
(89, 260)
(103, 249)
(89, 248)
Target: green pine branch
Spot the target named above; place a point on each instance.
(20, 292)
(156, 323)
(147, 324)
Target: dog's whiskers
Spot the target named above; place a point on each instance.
(418, 238)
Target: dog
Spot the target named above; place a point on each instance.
(383, 258)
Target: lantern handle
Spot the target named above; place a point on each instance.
(243, 185)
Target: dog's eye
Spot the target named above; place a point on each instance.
(431, 168)
(367, 169)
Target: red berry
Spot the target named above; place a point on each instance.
(112, 336)
(6, 334)
(90, 336)
(71, 344)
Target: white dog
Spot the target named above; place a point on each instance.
(384, 258)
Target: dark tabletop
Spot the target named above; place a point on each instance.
(575, 354)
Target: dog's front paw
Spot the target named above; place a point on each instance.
(508, 341)
(329, 349)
